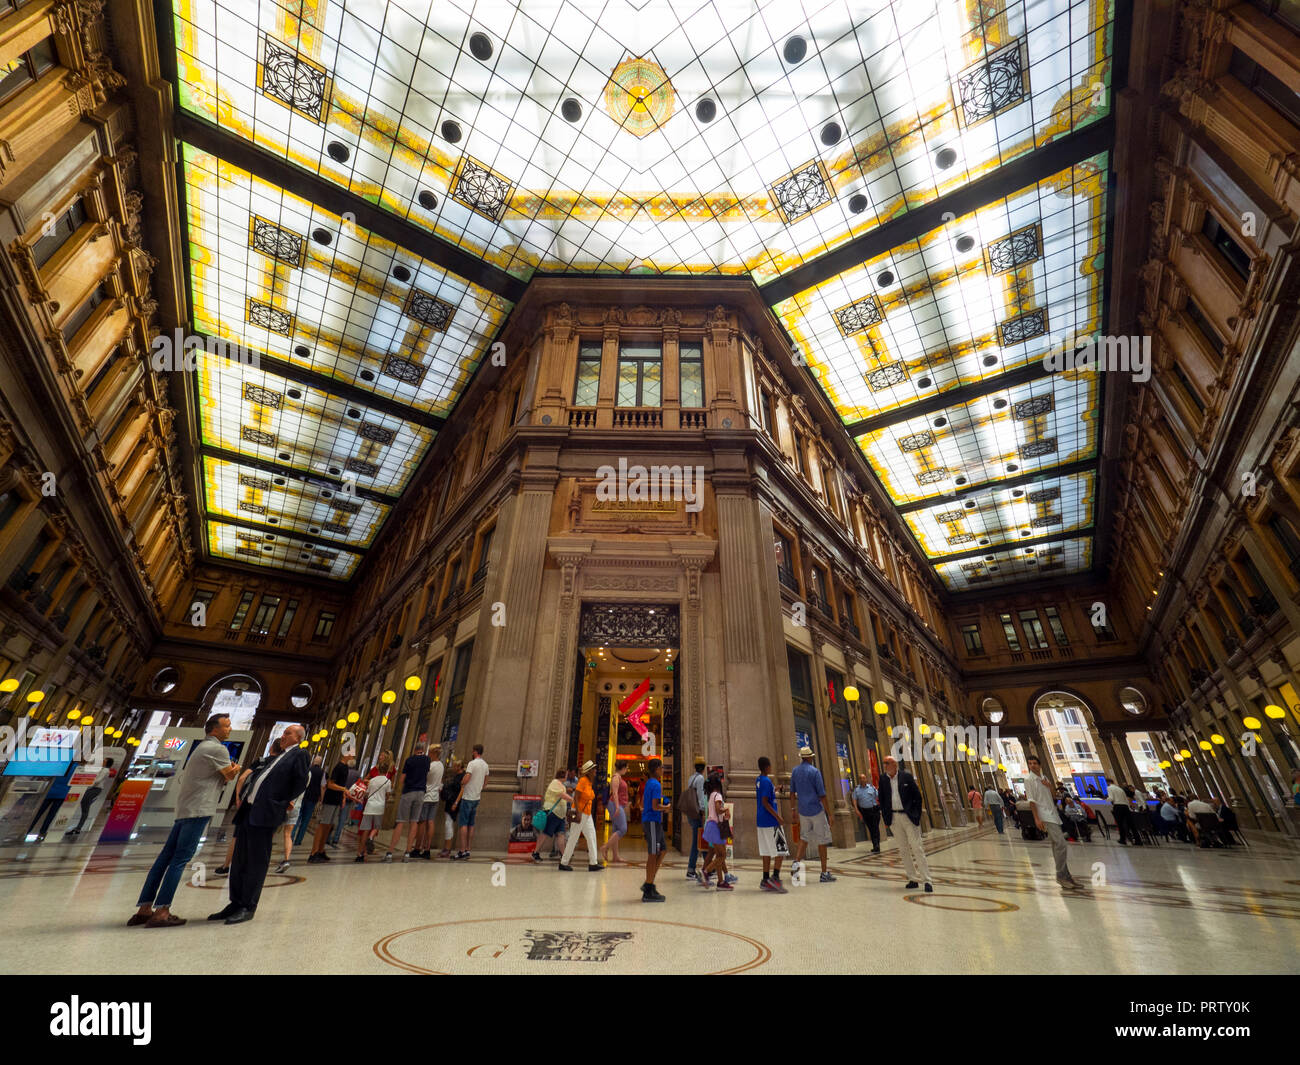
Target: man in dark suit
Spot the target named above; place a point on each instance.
(899, 794)
(266, 799)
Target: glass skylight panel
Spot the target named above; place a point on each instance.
(265, 416)
(285, 506)
(243, 545)
(1003, 517)
(988, 292)
(1053, 559)
(387, 100)
(286, 278)
(1006, 433)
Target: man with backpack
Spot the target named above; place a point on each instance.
(693, 811)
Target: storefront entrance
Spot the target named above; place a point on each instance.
(626, 708)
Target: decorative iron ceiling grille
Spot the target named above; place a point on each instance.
(629, 625)
(405, 370)
(917, 441)
(931, 476)
(1036, 449)
(378, 433)
(366, 469)
(265, 396)
(803, 192)
(993, 85)
(296, 82)
(1018, 249)
(886, 376)
(252, 508)
(272, 318)
(249, 481)
(479, 188)
(1033, 407)
(1045, 495)
(428, 310)
(257, 436)
(1024, 327)
(279, 243)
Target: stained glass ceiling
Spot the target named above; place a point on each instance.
(709, 138)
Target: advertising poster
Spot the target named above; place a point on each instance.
(122, 818)
(523, 837)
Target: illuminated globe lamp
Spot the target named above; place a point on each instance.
(938, 737)
(924, 729)
(412, 683)
(851, 694)
(1274, 712)
(353, 717)
(35, 697)
(1251, 722)
(1166, 764)
(341, 724)
(881, 707)
(1215, 738)
(1206, 745)
(303, 743)
(87, 719)
(73, 715)
(1185, 753)
(384, 720)
(388, 697)
(9, 684)
(1178, 758)
(1001, 767)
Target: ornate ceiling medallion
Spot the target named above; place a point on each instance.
(639, 96)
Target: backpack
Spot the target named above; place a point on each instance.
(689, 804)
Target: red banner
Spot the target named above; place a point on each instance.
(125, 812)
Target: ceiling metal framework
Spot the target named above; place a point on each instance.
(921, 261)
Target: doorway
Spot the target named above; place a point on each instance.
(626, 709)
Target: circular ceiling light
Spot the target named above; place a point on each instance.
(302, 351)
(480, 47)
(857, 203)
(353, 412)
(831, 133)
(959, 480)
(284, 456)
(969, 504)
(334, 471)
(322, 236)
(990, 360)
(984, 541)
(923, 382)
(294, 393)
(965, 242)
(571, 110)
(1026, 532)
(338, 151)
(1012, 467)
(427, 200)
(1016, 493)
(795, 49)
(451, 132)
(885, 278)
(945, 157)
(940, 422)
(367, 375)
(401, 273)
(999, 404)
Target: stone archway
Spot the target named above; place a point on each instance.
(1065, 723)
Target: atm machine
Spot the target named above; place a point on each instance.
(169, 761)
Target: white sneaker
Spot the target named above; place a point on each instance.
(283, 867)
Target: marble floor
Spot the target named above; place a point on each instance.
(995, 907)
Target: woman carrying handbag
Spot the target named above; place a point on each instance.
(717, 831)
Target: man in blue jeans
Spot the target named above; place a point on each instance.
(206, 772)
(695, 783)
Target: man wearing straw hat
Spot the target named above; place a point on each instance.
(584, 795)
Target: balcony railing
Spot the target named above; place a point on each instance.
(252, 636)
(819, 604)
(694, 419)
(582, 417)
(638, 418)
(787, 579)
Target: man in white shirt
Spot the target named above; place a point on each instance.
(429, 811)
(1118, 799)
(1039, 794)
(471, 790)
